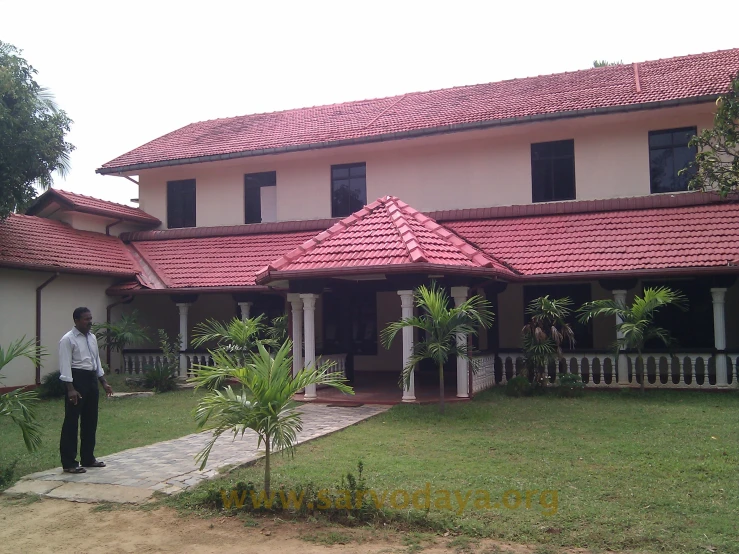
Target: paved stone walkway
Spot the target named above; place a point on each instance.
(169, 467)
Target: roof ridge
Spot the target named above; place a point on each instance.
(407, 235)
(64, 192)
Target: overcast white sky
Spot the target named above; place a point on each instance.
(128, 72)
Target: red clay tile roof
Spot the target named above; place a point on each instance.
(230, 261)
(90, 205)
(698, 77)
(29, 242)
(701, 236)
(385, 235)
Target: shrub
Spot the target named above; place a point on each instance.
(7, 472)
(52, 386)
(162, 376)
(570, 385)
(518, 386)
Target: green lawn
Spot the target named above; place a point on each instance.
(123, 423)
(658, 473)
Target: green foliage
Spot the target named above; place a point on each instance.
(518, 386)
(32, 131)
(637, 321)
(162, 377)
(605, 63)
(125, 332)
(440, 325)
(716, 164)
(234, 340)
(7, 473)
(20, 405)
(570, 385)
(277, 331)
(263, 402)
(52, 386)
(544, 334)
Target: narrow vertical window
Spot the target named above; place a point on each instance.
(348, 188)
(181, 204)
(668, 154)
(260, 198)
(553, 171)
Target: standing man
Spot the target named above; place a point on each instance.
(79, 364)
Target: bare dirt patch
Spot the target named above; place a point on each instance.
(45, 525)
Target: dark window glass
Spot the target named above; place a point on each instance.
(692, 328)
(350, 322)
(348, 189)
(579, 294)
(253, 183)
(553, 171)
(668, 154)
(181, 204)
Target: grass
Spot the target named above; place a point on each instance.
(123, 423)
(652, 474)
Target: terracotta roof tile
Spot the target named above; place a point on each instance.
(95, 206)
(31, 242)
(688, 77)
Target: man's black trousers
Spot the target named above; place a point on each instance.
(84, 414)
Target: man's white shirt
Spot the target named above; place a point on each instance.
(79, 351)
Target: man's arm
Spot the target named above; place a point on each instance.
(100, 372)
(65, 369)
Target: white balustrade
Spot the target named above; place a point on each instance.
(338, 367)
(135, 363)
(484, 376)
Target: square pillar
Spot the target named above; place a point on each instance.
(406, 305)
(183, 308)
(296, 303)
(463, 386)
(719, 335)
(619, 297)
(309, 321)
(245, 309)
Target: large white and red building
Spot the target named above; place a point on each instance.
(564, 184)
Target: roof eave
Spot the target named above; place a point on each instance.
(52, 195)
(193, 290)
(454, 128)
(61, 269)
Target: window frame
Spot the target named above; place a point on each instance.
(270, 181)
(694, 130)
(181, 198)
(550, 159)
(349, 166)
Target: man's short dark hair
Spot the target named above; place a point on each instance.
(77, 314)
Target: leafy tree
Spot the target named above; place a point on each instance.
(637, 321)
(544, 334)
(716, 165)
(605, 63)
(125, 332)
(19, 405)
(441, 325)
(32, 131)
(262, 403)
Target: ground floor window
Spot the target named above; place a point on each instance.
(350, 323)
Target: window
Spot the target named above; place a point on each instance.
(348, 188)
(181, 204)
(553, 171)
(669, 153)
(579, 294)
(350, 322)
(260, 197)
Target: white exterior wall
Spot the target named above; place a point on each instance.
(58, 300)
(96, 224)
(459, 170)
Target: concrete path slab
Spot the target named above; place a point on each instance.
(169, 467)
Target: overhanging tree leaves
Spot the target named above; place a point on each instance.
(716, 164)
(32, 131)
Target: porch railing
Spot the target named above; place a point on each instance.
(339, 366)
(484, 377)
(137, 361)
(693, 370)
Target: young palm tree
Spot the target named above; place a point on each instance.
(125, 332)
(637, 321)
(262, 403)
(19, 405)
(544, 334)
(441, 325)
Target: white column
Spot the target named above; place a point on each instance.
(460, 295)
(309, 314)
(245, 309)
(183, 337)
(406, 306)
(297, 309)
(719, 335)
(619, 296)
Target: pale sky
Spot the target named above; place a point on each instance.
(129, 72)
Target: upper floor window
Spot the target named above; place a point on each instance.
(553, 171)
(668, 154)
(348, 188)
(260, 197)
(181, 203)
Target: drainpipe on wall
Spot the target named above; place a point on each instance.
(108, 310)
(38, 322)
(107, 227)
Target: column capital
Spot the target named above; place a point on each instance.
(183, 306)
(309, 301)
(718, 294)
(406, 298)
(460, 294)
(619, 294)
(293, 297)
